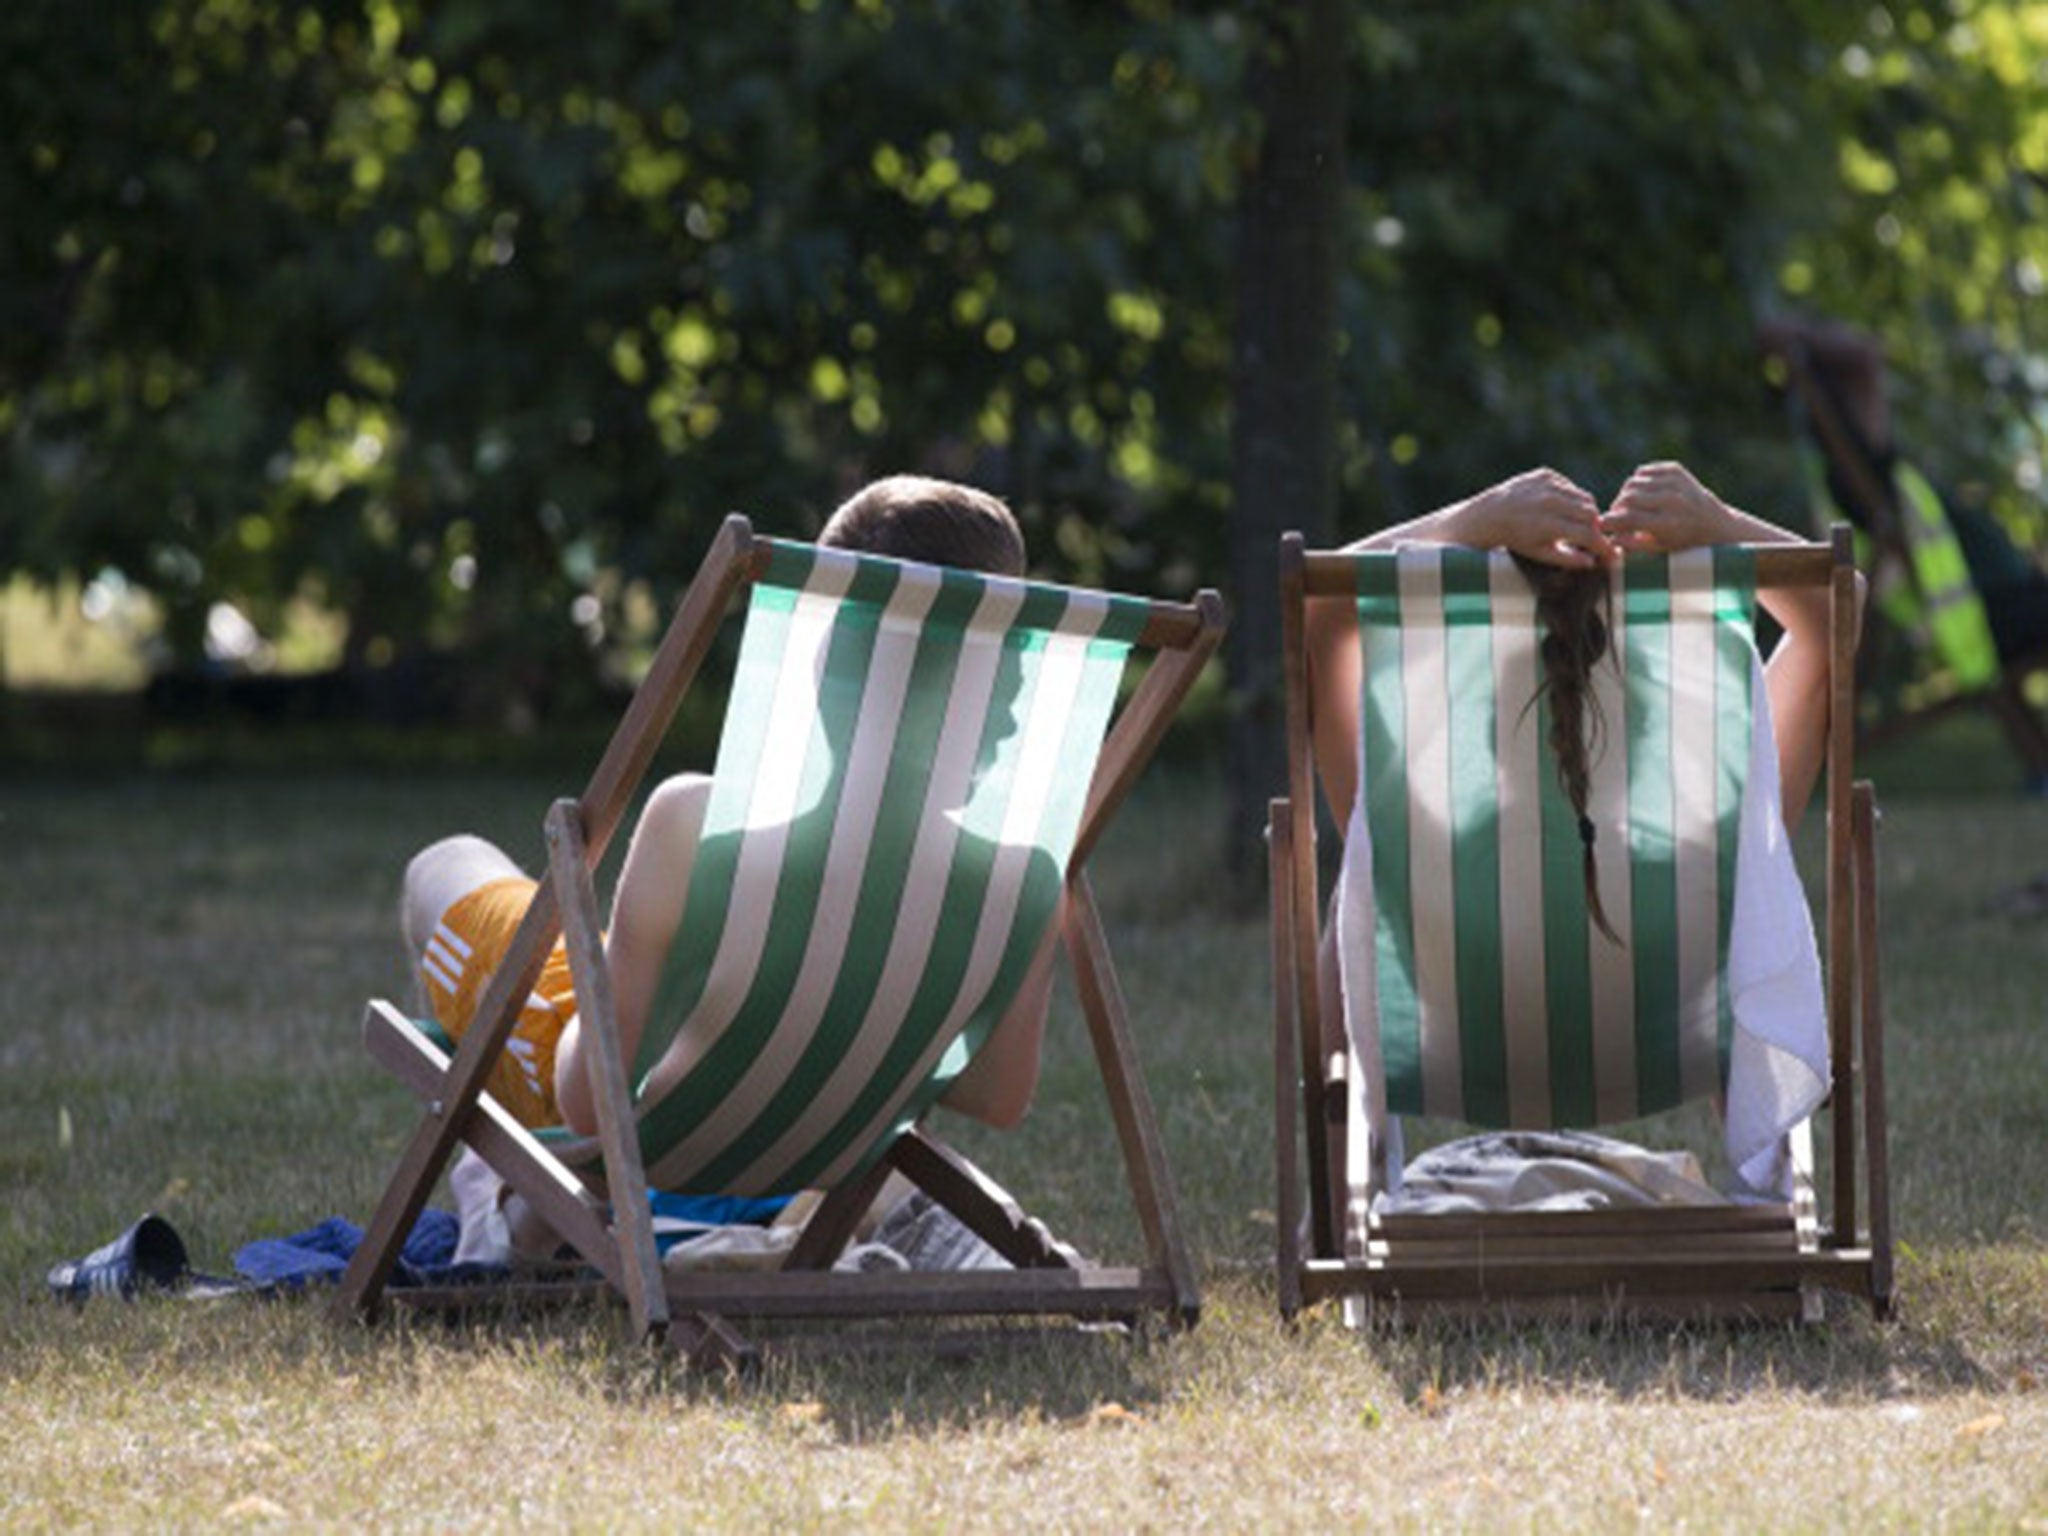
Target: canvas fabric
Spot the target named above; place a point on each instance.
(1518, 1013)
(904, 764)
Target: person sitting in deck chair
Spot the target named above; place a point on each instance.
(1555, 528)
(1565, 544)
(1942, 569)
(464, 897)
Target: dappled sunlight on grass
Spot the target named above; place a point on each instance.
(187, 964)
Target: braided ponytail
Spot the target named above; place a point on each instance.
(1573, 608)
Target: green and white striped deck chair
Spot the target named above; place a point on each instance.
(915, 763)
(1476, 986)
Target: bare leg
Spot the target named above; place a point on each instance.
(440, 875)
(437, 877)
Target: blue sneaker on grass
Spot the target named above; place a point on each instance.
(149, 1255)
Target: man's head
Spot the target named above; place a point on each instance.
(912, 517)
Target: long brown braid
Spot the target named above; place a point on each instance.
(1574, 607)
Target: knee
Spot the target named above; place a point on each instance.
(441, 873)
(464, 848)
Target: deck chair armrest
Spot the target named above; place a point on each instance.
(404, 1050)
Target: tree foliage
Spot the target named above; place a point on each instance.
(463, 313)
(1931, 229)
(469, 318)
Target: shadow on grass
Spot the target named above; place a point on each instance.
(857, 1381)
(1947, 1340)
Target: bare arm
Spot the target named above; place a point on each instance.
(646, 913)
(998, 1084)
(1662, 507)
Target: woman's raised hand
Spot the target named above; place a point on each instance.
(1663, 508)
(1540, 514)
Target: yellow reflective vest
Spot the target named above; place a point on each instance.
(1936, 600)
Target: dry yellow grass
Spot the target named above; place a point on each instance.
(184, 963)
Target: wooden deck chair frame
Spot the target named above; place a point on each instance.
(2006, 695)
(692, 1312)
(1663, 1261)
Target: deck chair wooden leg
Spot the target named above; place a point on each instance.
(625, 1175)
(1137, 1127)
(709, 1345)
(1870, 1021)
(1287, 1207)
(556, 1195)
(433, 1139)
(1798, 1152)
(984, 1206)
(831, 1225)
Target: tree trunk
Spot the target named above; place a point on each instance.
(1284, 384)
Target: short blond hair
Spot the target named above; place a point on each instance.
(939, 522)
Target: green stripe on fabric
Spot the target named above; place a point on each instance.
(1475, 834)
(874, 583)
(1042, 609)
(1734, 708)
(1044, 877)
(1653, 836)
(799, 883)
(707, 904)
(1567, 958)
(788, 565)
(1383, 712)
(1123, 624)
(960, 912)
(883, 880)
(1124, 618)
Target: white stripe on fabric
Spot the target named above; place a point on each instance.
(1039, 766)
(436, 970)
(1425, 684)
(446, 958)
(1612, 978)
(924, 888)
(1694, 775)
(770, 809)
(1518, 750)
(456, 944)
(867, 770)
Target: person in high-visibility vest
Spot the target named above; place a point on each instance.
(1940, 601)
(1939, 569)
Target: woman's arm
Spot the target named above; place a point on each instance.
(1663, 508)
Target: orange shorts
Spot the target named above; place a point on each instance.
(462, 952)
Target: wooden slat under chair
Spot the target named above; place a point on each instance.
(824, 1068)
(1771, 1258)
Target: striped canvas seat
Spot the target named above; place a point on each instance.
(896, 795)
(914, 765)
(1466, 979)
(1519, 1012)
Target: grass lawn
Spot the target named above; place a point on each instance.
(183, 959)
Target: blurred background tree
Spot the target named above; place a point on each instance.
(467, 318)
(466, 321)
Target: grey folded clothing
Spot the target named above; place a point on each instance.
(928, 1236)
(1545, 1171)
